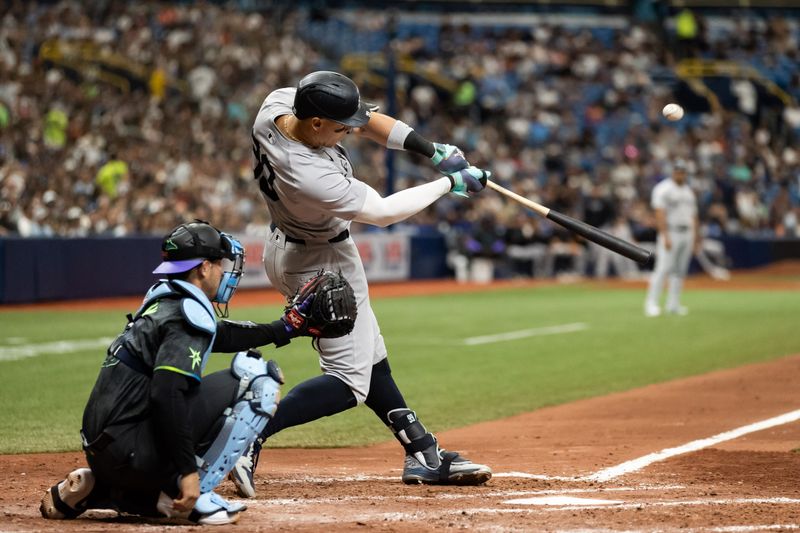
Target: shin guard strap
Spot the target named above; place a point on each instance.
(444, 469)
(420, 444)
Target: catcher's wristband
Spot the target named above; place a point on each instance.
(294, 321)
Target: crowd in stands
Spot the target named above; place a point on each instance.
(128, 118)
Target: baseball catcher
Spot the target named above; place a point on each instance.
(157, 434)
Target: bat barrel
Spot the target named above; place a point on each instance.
(631, 251)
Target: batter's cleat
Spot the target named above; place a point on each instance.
(63, 501)
(452, 470)
(652, 311)
(243, 471)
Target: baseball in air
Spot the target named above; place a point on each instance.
(672, 112)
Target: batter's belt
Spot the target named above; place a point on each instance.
(339, 238)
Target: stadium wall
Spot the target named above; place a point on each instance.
(36, 270)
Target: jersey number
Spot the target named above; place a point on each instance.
(263, 172)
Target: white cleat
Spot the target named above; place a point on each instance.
(652, 311)
(679, 310)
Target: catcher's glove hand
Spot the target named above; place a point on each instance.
(324, 307)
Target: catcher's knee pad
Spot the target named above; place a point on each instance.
(67, 498)
(414, 437)
(256, 402)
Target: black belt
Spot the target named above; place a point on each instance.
(680, 228)
(133, 362)
(97, 445)
(339, 238)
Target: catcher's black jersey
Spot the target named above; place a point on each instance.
(163, 340)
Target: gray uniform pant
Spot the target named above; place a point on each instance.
(289, 265)
(673, 263)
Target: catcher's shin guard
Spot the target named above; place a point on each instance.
(66, 499)
(425, 462)
(256, 402)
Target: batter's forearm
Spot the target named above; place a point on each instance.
(378, 128)
(397, 135)
(401, 205)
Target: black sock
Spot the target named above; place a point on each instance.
(384, 396)
(312, 399)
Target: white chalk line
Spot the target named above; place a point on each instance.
(525, 333)
(14, 353)
(744, 529)
(462, 496)
(542, 477)
(681, 503)
(298, 516)
(642, 462)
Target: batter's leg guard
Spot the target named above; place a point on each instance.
(256, 402)
(67, 499)
(425, 462)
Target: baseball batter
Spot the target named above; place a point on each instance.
(308, 182)
(675, 208)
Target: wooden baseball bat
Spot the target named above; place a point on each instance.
(587, 231)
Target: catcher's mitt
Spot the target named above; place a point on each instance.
(324, 307)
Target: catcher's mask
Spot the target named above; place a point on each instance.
(189, 244)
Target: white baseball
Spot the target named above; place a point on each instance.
(672, 112)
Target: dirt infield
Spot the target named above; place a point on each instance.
(543, 463)
(629, 461)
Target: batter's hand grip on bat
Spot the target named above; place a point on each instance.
(631, 251)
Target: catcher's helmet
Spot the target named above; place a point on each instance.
(187, 245)
(330, 95)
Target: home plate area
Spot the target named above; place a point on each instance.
(664, 499)
(676, 456)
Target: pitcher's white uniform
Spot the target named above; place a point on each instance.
(312, 196)
(679, 205)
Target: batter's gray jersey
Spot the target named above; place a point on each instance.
(312, 196)
(311, 192)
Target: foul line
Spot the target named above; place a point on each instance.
(637, 464)
(525, 333)
(13, 353)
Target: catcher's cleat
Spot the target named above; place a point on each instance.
(243, 470)
(452, 470)
(63, 501)
(211, 509)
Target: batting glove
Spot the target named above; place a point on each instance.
(470, 179)
(448, 158)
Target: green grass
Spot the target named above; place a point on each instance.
(447, 383)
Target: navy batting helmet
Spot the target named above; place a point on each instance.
(333, 96)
